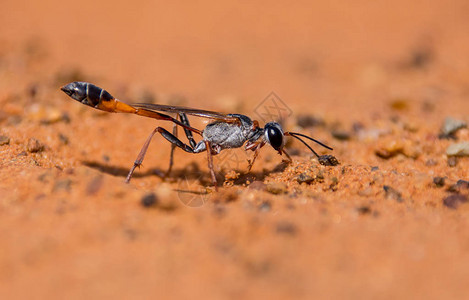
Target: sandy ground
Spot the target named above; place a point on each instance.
(374, 80)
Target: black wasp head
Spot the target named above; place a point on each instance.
(274, 135)
(76, 90)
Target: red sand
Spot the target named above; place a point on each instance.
(70, 228)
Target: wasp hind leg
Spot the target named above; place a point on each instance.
(190, 138)
(168, 136)
(171, 156)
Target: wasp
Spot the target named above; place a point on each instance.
(226, 131)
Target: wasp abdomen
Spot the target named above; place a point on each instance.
(96, 94)
(87, 93)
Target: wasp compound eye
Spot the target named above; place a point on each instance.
(274, 135)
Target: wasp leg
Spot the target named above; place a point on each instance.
(210, 164)
(171, 156)
(254, 147)
(168, 136)
(288, 156)
(189, 135)
(190, 138)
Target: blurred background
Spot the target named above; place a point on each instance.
(391, 69)
(325, 55)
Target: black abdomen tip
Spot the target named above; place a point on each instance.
(97, 94)
(86, 93)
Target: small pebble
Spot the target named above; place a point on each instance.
(286, 227)
(44, 177)
(320, 175)
(232, 175)
(459, 186)
(258, 185)
(148, 200)
(371, 134)
(277, 188)
(463, 184)
(452, 161)
(367, 192)
(411, 127)
(14, 120)
(390, 150)
(454, 201)
(305, 121)
(230, 197)
(459, 149)
(334, 184)
(62, 185)
(265, 206)
(328, 160)
(130, 233)
(294, 151)
(69, 75)
(400, 104)
(63, 139)
(341, 135)
(34, 146)
(391, 193)
(32, 90)
(304, 178)
(364, 210)
(357, 127)
(428, 106)
(375, 168)
(94, 185)
(450, 127)
(421, 58)
(4, 140)
(219, 210)
(439, 181)
(45, 114)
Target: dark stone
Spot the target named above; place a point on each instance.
(364, 210)
(305, 121)
(454, 201)
(285, 227)
(439, 181)
(149, 200)
(328, 160)
(391, 193)
(34, 145)
(304, 178)
(341, 135)
(4, 140)
(452, 161)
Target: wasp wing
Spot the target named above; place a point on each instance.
(187, 110)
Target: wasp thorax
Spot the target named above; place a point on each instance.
(274, 135)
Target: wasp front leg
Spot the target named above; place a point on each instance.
(254, 147)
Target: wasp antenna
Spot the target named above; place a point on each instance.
(309, 138)
(309, 147)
